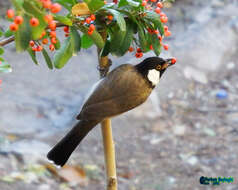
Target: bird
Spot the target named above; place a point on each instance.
(123, 89)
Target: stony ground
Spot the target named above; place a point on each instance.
(187, 129)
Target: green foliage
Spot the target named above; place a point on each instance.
(131, 26)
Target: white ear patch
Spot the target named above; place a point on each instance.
(153, 76)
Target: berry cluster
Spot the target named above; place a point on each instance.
(148, 4)
(34, 22)
(89, 21)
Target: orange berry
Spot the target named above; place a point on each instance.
(31, 43)
(45, 41)
(66, 29)
(144, 3)
(13, 27)
(160, 38)
(34, 48)
(139, 55)
(53, 40)
(92, 27)
(47, 4)
(52, 34)
(42, 34)
(156, 32)
(151, 47)
(105, 2)
(10, 13)
(90, 32)
(93, 17)
(159, 4)
(34, 22)
(173, 61)
(39, 48)
(55, 8)
(166, 28)
(153, 1)
(164, 19)
(157, 10)
(110, 17)
(166, 47)
(88, 20)
(48, 18)
(51, 47)
(52, 25)
(18, 20)
(162, 14)
(131, 49)
(167, 33)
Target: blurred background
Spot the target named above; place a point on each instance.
(187, 129)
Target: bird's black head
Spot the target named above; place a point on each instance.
(152, 68)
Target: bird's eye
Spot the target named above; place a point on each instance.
(158, 67)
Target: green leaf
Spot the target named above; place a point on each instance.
(47, 59)
(133, 3)
(142, 38)
(86, 42)
(126, 42)
(122, 3)
(1, 33)
(8, 33)
(1, 59)
(5, 68)
(1, 51)
(63, 19)
(106, 49)
(57, 45)
(65, 4)
(33, 55)
(119, 18)
(156, 44)
(155, 19)
(117, 39)
(22, 36)
(76, 40)
(94, 5)
(65, 52)
(17, 4)
(31, 7)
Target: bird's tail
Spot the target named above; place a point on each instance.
(61, 152)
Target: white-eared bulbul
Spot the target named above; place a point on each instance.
(123, 89)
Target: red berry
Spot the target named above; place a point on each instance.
(52, 25)
(42, 34)
(153, 1)
(138, 50)
(48, 18)
(34, 22)
(150, 30)
(131, 49)
(115, 1)
(162, 14)
(156, 32)
(88, 20)
(164, 19)
(160, 38)
(157, 10)
(55, 8)
(151, 47)
(166, 28)
(66, 35)
(139, 55)
(39, 48)
(90, 32)
(52, 34)
(34, 48)
(110, 17)
(31, 43)
(18, 20)
(167, 33)
(166, 47)
(53, 40)
(173, 61)
(13, 27)
(144, 3)
(10, 13)
(45, 41)
(47, 4)
(159, 4)
(92, 27)
(93, 17)
(51, 47)
(66, 29)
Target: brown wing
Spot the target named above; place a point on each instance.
(125, 94)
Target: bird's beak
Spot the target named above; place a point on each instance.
(168, 62)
